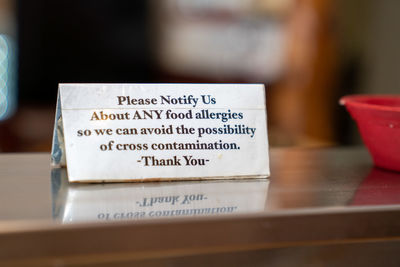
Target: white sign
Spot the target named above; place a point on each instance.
(137, 132)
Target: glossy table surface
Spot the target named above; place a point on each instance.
(313, 197)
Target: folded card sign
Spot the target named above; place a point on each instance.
(142, 132)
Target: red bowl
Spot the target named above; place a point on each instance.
(378, 120)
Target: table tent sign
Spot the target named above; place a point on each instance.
(154, 132)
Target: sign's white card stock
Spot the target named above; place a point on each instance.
(152, 132)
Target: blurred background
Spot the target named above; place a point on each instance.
(307, 52)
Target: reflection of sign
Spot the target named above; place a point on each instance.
(105, 202)
(121, 132)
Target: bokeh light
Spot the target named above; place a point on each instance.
(7, 81)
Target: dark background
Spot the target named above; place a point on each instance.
(81, 41)
(335, 48)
